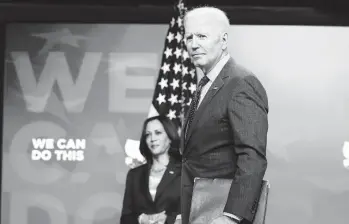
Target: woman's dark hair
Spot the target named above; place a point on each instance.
(171, 130)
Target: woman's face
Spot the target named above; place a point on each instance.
(156, 138)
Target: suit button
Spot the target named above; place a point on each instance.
(184, 160)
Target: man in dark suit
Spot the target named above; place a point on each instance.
(225, 132)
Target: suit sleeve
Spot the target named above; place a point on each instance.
(248, 116)
(128, 214)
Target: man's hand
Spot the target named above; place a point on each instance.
(223, 220)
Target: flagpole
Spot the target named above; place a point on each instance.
(181, 9)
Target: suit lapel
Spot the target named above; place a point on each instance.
(217, 84)
(169, 175)
(215, 87)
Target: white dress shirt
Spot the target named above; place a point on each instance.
(154, 181)
(212, 75)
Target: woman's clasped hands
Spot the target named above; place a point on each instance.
(158, 218)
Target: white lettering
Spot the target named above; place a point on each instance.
(119, 81)
(71, 143)
(43, 143)
(57, 69)
(21, 162)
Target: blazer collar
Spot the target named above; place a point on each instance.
(171, 172)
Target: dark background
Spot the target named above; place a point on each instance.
(286, 3)
(273, 12)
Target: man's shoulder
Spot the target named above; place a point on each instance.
(240, 75)
(241, 72)
(243, 79)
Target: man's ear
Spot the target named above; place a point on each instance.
(224, 40)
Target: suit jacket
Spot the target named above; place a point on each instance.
(227, 139)
(137, 198)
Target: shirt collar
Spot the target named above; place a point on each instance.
(212, 75)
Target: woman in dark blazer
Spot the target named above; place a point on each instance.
(152, 192)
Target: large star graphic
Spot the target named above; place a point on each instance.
(63, 36)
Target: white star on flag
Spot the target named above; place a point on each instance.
(165, 68)
(168, 52)
(163, 83)
(161, 99)
(172, 114)
(175, 84)
(177, 68)
(178, 52)
(185, 55)
(170, 37)
(184, 70)
(184, 85)
(192, 73)
(178, 37)
(192, 87)
(179, 21)
(173, 99)
(173, 21)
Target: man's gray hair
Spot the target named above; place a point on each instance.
(216, 14)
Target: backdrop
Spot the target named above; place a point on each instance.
(95, 82)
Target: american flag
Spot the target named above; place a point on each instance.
(176, 82)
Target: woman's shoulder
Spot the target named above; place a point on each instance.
(175, 164)
(138, 169)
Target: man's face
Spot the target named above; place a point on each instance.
(204, 42)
